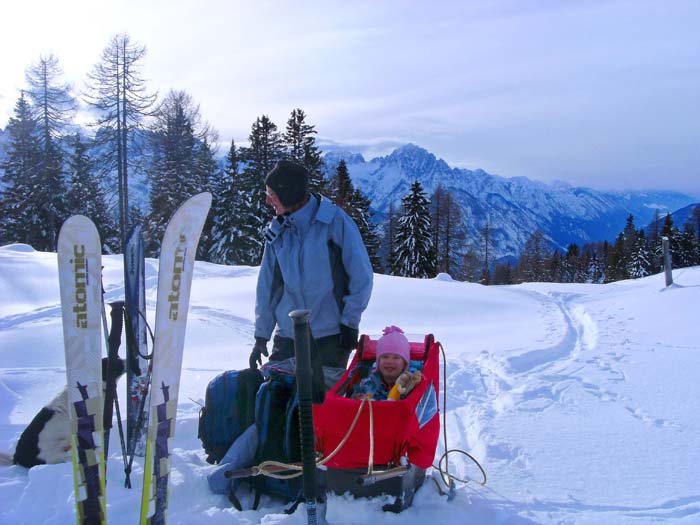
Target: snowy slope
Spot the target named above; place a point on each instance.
(581, 401)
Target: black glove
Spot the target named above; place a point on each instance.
(348, 337)
(259, 349)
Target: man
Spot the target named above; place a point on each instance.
(314, 259)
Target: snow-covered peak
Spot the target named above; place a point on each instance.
(416, 160)
(332, 158)
(514, 207)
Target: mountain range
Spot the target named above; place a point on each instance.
(513, 207)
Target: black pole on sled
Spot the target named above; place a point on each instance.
(315, 503)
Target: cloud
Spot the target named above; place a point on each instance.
(595, 93)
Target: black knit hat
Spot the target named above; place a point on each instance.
(289, 181)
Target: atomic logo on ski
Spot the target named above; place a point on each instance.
(81, 281)
(176, 281)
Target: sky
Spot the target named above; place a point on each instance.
(603, 94)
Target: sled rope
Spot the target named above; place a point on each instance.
(445, 473)
(270, 468)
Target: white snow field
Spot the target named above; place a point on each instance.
(580, 401)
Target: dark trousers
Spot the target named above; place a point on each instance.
(327, 349)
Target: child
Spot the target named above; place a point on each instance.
(393, 358)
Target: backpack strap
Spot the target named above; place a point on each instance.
(248, 384)
(292, 446)
(233, 499)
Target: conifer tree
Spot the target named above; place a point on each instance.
(623, 252)
(667, 229)
(673, 235)
(569, 266)
(176, 172)
(266, 148)
(630, 238)
(206, 170)
(694, 221)
(136, 216)
(301, 148)
(686, 247)
(581, 267)
(485, 277)
(532, 266)
(389, 240)
(617, 264)
(226, 212)
(654, 242)
(342, 188)
(436, 212)
(449, 233)
(117, 91)
(414, 237)
(53, 108)
(471, 265)
(356, 204)
(359, 211)
(595, 269)
(562, 269)
(557, 267)
(502, 274)
(20, 211)
(86, 197)
(639, 263)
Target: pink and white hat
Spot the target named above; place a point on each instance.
(394, 342)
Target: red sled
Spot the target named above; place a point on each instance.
(397, 439)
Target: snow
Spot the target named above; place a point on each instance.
(580, 401)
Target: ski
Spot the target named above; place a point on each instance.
(79, 271)
(136, 343)
(175, 272)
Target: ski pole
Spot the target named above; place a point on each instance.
(106, 417)
(137, 429)
(139, 424)
(112, 399)
(315, 505)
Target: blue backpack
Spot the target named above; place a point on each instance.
(277, 427)
(277, 419)
(235, 400)
(229, 408)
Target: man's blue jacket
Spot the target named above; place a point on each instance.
(314, 259)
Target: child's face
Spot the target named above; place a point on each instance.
(390, 366)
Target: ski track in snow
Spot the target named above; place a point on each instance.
(490, 386)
